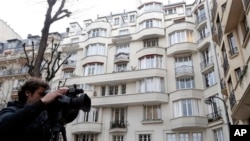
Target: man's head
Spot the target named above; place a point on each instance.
(32, 90)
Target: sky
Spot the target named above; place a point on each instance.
(27, 16)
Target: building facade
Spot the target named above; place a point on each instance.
(230, 21)
(148, 73)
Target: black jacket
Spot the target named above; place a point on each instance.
(19, 122)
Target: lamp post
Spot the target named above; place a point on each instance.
(209, 100)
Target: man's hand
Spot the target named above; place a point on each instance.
(51, 96)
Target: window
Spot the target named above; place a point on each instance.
(209, 78)
(93, 69)
(95, 49)
(118, 115)
(120, 67)
(124, 32)
(171, 137)
(218, 134)
(91, 116)
(98, 32)
(68, 73)
(232, 44)
(150, 23)
(154, 84)
(184, 137)
(237, 73)
(203, 33)
(131, 18)
(185, 83)
(85, 137)
(152, 112)
(186, 107)
(117, 138)
(145, 137)
(188, 12)
(197, 136)
(150, 61)
(124, 48)
(74, 40)
(183, 65)
(206, 57)
(113, 90)
(103, 90)
(123, 89)
(181, 36)
(244, 26)
(116, 21)
(150, 43)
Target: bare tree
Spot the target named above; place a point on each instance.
(49, 20)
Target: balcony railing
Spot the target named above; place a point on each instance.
(233, 51)
(203, 37)
(215, 116)
(225, 66)
(232, 99)
(14, 71)
(122, 56)
(201, 18)
(207, 63)
(184, 70)
(118, 124)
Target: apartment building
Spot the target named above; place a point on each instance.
(148, 73)
(230, 21)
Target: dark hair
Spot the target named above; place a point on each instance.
(31, 85)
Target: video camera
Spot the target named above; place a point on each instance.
(69, 105)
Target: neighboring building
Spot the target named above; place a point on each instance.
(148, 73)
(6, 32)
(230, 20)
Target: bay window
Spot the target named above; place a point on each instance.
(93, 69)
(181, 36)
(150, 61)
(95, 49)
(153, 84)
(186, 107)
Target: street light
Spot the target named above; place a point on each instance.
(210, 100)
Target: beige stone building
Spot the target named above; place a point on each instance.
(148, 73)
(231, 34)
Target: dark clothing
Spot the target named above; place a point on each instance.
(19, 122)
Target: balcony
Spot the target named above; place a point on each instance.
(69, 65)
(150, 32)
(232, 99)
(206, 65)
(201, 19)
(231, 15)
(130, 99)
(183, 71)
(86, 127)
(223, 87)
(70, 47)
(121, 57)
(225, 66)
(184, 47)
(189, 122)
(233, 52)
(117, 77)
(13, 72)
(215, 116)
(118, 126)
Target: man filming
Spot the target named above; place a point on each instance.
(28, 118)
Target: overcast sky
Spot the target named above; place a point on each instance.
(27, 16)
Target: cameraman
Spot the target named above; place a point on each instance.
(27, 118)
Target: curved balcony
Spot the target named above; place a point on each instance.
(14, 72)
(150, 50)
(98, 24)
(117, 77)
(146, 33)
(185, 123)
(69, 65)
(186, 93)
(185, 47)
(130, 99)
(86, 127)
(149, 15)
(93, 58)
